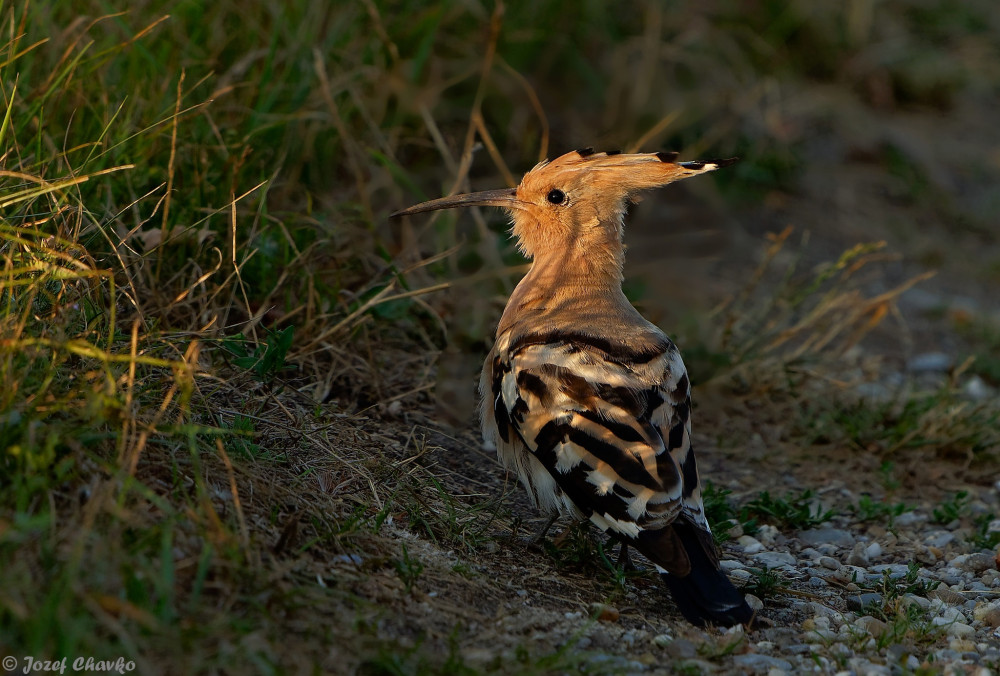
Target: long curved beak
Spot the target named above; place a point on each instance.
(505, 199)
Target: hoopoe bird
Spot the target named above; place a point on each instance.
(587, 401)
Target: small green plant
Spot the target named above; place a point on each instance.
(618, 572)
(952, 508)
(905, 623)
(465, 570)
(243, 435)
(940, 420)
(574, 547)
(718, 510)
(764, 582)
(408, 569)
(887, 476)
(892, 588)
(983, 537)
(689, 668)
(723, 646)
(434, 512)
(791, 511)
(872, 510)
(720, 513)
(265, 359)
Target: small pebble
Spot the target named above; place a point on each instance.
(761, 663)
(832, 536)
(961, 630)
(681, 649)
(604, 612)
(909, 519)
(976, 388)
(601, 639)
(939, 539)
(809, 553)
(663, 640)
(962, 645)
(861, 601)
(858, 555)
(775, 559)
(988, 614)
(949, 578)
(767, 534)
(893, 568)
(926, 556)
(977, 563)
(735, 530)
(829, 562)
(930, 362)
(872, 625)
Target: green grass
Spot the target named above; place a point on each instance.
(764, 583)
(868, 509)
(942, 422)
(903, 621)
(203, 303)
(983, 537)
(792, 511)
(892, 587)
(951, 508)
(796, 512)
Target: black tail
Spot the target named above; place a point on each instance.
(705, 596)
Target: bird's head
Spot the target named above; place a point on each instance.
(576, 202)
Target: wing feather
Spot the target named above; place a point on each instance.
(586, 421)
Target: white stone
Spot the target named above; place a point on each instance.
(767, 534)
(751, 545)
(977, 389)
(775, 559)
(961, 630)
(662, 640)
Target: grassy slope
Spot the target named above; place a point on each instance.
(183, 173)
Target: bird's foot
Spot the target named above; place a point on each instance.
(624, 561)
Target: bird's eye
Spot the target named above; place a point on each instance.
(556, 196)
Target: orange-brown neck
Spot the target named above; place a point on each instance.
(571, 289)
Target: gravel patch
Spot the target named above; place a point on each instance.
(851, 597)
(859, 598)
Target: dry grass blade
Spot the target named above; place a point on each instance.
(812, 321)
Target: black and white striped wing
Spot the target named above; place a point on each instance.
(609, 433)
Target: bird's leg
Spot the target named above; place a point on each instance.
(624, 561)
(540, 535)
